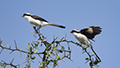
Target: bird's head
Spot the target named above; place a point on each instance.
(26, 14)
(75, 31)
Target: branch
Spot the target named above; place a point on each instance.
(17, 49)
(12, 65)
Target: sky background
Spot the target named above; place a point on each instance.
(75, 14)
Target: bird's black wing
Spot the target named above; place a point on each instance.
(38, 18)
(96, 30)
(91, 35)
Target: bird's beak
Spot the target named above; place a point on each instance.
(71, 32)
(23, 15)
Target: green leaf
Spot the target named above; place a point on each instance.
(41, 45)
(3, 65)
(86, 58)
(36, 45)
(90, 64)
(35, 51)
(96, 62)
(38, 67)
(55, 62)
(7, 46)
(62, 56)
(49, 44)
(49, 52)
(53, 48)
(35, 35)
(57, 46)
(58, 57)
(0, 42)
(43, 37)
(62, 47)
(84, 47)
(31, 50)
(48, 62)
(29, 45)
(68, 48)
(33, 58)
(29, 60)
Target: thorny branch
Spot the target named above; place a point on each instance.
(3, 63)
(50, 49)
(44, 53)
(17, 49)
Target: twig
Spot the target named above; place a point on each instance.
(19, 50)
(12, 65)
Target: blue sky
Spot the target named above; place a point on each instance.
(75, 14)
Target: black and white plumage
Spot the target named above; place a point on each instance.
(91, 31)
(84, 35)
(38, 21)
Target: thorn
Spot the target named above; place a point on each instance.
(15, 44)
(11, 51)
(12, 61)
(1, 51)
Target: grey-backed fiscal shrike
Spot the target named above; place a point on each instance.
(38, 21)
(84, 35)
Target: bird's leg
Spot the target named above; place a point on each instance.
(38, 28)
(34, 27)
(37, 32)
(93, 40)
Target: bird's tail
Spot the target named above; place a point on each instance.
(95, 53)
(57, 25)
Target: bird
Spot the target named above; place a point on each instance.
(38, 21)
(85, 35)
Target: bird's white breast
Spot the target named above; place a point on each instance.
(82, 38)
(36, 22)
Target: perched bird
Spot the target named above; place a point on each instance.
(84, 35)
(38, 21)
